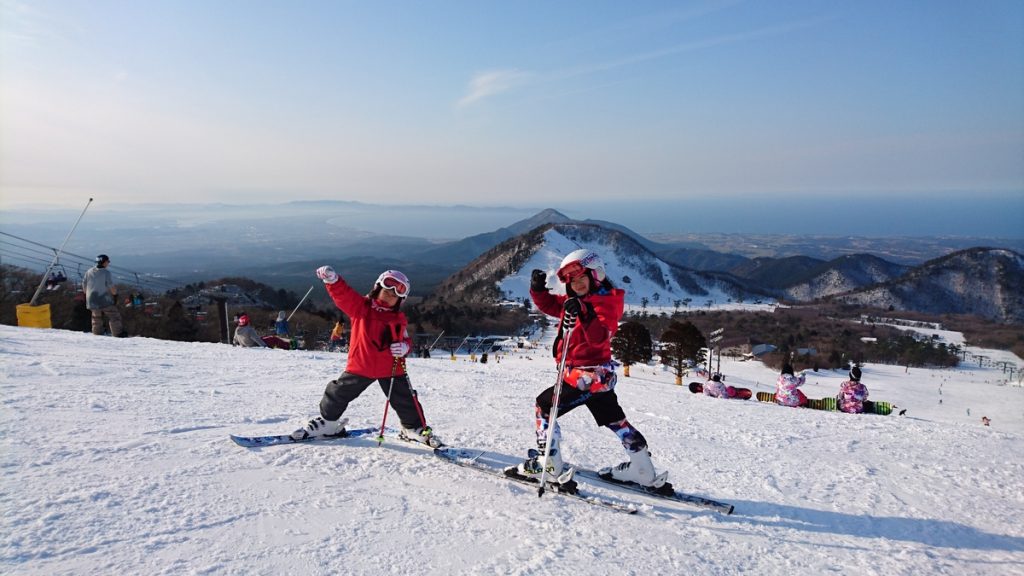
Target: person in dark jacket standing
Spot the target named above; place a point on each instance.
(593, 308)
(101, 297)
(378, 343)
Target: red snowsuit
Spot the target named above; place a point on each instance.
(591, 341)
(372, 333)
(589, 372)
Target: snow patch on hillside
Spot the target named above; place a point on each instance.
(557, 246)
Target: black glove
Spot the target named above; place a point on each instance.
(572, 306)
(538, 281)
(568, 321)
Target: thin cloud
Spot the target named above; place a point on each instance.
(27, 26)
(691, 46)
(19, 23)
(488, 84)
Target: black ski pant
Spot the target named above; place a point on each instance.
(603, 406)
(348, 387)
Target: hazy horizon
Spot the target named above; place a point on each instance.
(989, 215)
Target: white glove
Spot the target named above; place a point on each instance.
(399, 349)
(327, 274)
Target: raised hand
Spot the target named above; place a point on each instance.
(538, 281)
(327, 274)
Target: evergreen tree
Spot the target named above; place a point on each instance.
(681, 341)
(632, 345)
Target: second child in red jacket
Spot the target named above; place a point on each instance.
(378, 341)
(593, 307)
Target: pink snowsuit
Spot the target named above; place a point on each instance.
(718, 389)
(852, 395)
(786, 392)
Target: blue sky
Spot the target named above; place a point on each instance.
(564, 104)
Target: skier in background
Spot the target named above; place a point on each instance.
(786, 393)
(378, 342)
(853, 395)
(101, 297)
(593, 307)
(337, 336)
(246, 335)
(281, 325)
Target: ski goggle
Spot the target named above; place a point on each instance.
(401, 289)
(570, 271)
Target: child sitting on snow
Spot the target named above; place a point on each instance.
(786, 393)
(715, 387)
(852, 394)
(246, 335)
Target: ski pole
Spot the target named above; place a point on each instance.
(396, 334)
(301, 301)
(553, 417)
(387, 403)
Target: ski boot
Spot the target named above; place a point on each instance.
(553, 469)
(318, 427)
(423, 435)
(639, 470)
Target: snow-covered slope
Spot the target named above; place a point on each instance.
(116, 460)
(648, 276)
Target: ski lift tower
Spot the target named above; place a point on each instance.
(716, 337)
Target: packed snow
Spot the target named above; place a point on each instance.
(116, 460)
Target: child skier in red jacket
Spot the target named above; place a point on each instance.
(593, 308)
(378, 341)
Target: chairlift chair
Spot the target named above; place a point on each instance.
(58, 275)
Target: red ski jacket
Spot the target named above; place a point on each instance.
(591, 340)
(372, 333)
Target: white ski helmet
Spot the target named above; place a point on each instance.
(578, 260)
(395, 281)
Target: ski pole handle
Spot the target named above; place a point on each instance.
(568, 321)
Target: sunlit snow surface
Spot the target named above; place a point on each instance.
(116, 460)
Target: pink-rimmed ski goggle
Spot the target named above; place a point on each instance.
(570, 271)
(401, 289)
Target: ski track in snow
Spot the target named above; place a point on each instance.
(116, 460)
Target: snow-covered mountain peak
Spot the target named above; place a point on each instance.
(503, 273)
(627, 264)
